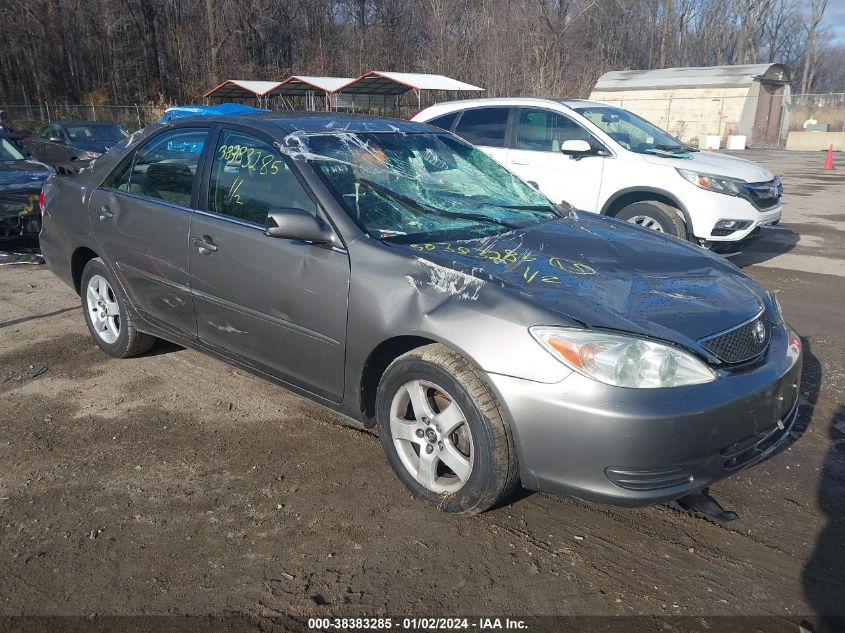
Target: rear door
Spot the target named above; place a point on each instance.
(487, 128)
(536, 156)
(141, 218)
(37, 144)
(278, 305)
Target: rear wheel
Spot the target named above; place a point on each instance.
(654, 215)
(106, 315)
(442, 431)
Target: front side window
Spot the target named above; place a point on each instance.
(46, 132)
(545, 130)
(249, 177)
(484, 126)
(164, 168)
(423, 187)
(632, 132)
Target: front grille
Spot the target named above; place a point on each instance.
(763, 195)
(742, 343)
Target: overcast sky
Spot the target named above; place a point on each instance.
(834, 18)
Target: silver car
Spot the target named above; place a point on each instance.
(397, 275)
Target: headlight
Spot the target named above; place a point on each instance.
(711, 182)
(622, 361)
(86, 155)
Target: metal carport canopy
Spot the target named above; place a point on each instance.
(241, 89)
(380, 82)
(301, 84)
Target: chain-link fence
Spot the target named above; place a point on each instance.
(817, 112)
(28, 118)
(765, 119)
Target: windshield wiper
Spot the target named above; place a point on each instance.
(410, 202)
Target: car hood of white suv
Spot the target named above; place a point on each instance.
(716, 164)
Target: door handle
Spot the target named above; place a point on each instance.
(519, 162)
(105, 214)
(205, 244)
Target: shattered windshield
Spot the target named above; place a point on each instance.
(632, 132)
(408, 187)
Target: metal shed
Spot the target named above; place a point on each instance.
(241, 89)
(309, 87)
(695, 102)
(378, 87)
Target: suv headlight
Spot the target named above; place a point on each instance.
(621, 360)
(711, 182)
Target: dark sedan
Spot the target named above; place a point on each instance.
(396, 274)
(20, 185)
(65, 141)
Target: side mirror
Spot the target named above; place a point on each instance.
(296, 224)
(574, 147)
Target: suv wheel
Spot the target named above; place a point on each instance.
(654, 215)
(106, 315)
(443, 433)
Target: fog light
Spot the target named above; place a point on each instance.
(733, 225)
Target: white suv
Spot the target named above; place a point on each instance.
(604, 159)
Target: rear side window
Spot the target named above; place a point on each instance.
(484, 126)
(164, 168)
(444, 122)
(249, 177)
(545, 131)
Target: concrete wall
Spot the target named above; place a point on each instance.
(689, 113)
(812, 141)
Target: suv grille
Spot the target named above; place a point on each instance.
(743, 343)
(763, 195)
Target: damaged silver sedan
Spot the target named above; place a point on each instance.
(396, 274)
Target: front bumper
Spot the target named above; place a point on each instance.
(706, 208)
(635, 447)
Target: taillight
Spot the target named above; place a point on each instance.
(41, 201)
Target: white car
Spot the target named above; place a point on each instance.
(597, 157)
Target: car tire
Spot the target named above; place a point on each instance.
(655, 215)
(465, 459)
(106, 314)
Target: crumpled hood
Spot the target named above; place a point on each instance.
(717, 164)
(23, 175)
(606, 273)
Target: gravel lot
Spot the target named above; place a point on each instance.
(174, 484)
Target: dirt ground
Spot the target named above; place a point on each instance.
(174, 484)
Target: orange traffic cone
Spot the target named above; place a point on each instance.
(828, 163)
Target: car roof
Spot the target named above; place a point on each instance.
(313, 122)
(82, 123)
(460, 104)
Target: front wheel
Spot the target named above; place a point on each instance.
(443, 433)
(654, 215)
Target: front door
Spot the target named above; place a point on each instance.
(536, 157)
(278, 305)
(141, 218)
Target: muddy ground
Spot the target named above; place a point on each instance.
(174, 484)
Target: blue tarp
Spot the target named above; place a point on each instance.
(201, 110)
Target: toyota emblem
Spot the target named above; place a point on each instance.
(759, 332)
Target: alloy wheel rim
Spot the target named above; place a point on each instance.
(647, 222)
(103, 309)
(431, 436)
